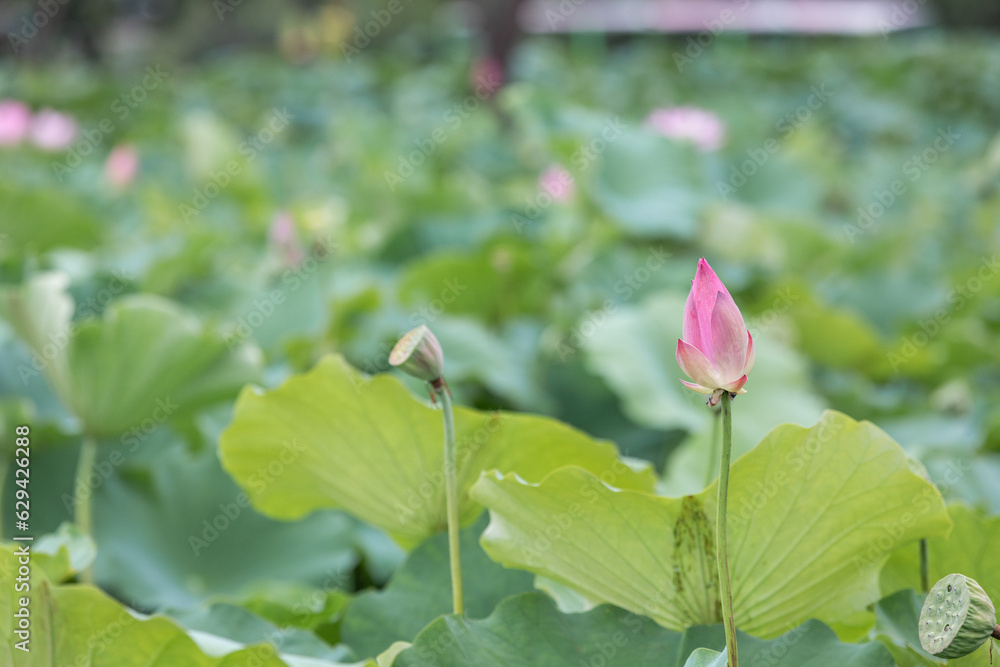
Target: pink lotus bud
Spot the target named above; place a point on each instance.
(52, 131)
(122, 165)
(557, 182)
(418, 353)
(691, 124)
(716, 350)
(15, 119)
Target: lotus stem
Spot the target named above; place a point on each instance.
(925, 566)
(720, 528)
(83, 515)
(451, 495)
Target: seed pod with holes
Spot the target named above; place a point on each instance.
(957, 618)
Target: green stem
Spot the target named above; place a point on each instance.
(713, 446)
(925, 567)
(83, 516)
(720, 529)
(451, 496)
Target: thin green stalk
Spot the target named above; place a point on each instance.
(83, 515)
(720, 530)
(713, 446)
(925, 567)
(451, 496)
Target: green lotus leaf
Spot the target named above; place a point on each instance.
(814, 513)
(528, 631)
(332, 438)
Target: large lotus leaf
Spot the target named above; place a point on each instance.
(814, 513)
(420, 591)
(73, 625)
(634, 353)
(177, 531)
(972, 548)
(148, 360)
(528, 631)
(332, 438)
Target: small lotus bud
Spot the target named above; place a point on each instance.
(418, 353)
(957, 618)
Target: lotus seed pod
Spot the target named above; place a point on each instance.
(418, 353)
(957, 618)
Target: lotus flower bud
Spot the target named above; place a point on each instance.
(957, 618)
(418, 353)
(716, 350)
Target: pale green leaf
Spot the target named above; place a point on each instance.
(813, 515)
(147, 361)
(333, 438)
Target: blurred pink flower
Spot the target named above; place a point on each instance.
(121, 165)
(700, 126)
(557, 182)
(52, 131)
(284, 239)
(15, 117)
(486, 75)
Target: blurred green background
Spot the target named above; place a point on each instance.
(539, 201)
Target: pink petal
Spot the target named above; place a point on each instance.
(729, 339)
(695, 365)
(697, 387)
(698, 309)
(736, 387)
(751, 355)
